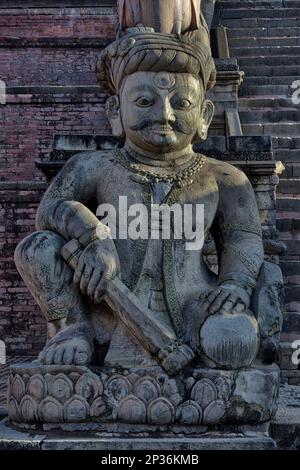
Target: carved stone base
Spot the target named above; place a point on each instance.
(11, 439)
(103, 397)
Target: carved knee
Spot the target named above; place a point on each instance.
(47, 276)
(37, 249)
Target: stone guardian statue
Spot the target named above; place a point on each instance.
(145, 310)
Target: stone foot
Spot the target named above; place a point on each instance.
(71, 346)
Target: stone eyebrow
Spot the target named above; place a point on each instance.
(186, 89)
(142, 88)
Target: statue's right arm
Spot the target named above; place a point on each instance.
(63, 207)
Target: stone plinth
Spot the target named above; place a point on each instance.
(11, 439)
(106, 398)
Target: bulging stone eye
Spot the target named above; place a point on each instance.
(144, 102)
(181, 103)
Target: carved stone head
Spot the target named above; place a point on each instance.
(160, 111)
(157, 82)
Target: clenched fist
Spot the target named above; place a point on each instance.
(98, 264)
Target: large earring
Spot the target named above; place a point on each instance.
(203, 131)
(114, 115)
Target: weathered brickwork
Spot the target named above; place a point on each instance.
(47, 60)
(31, 121)
(58, 22)
(21, 323)
(63, 66)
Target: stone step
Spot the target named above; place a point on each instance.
(288, 204)
(286, 352)
(290, 268)
(269, 71)
(251, 42)
(273, 129)
(264, 51)
(288, 156)
(252, 102)
(260, 22)
(265, 90)
(292, 296)
(286, 142)
(289, 186)
(269, 115)
(230, 4)
(283, 32)
(292, 170)
(267, 80)
(286, 214)
(260, 12)
(272, 61)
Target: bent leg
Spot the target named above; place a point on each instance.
(50, 280)
(48, 277)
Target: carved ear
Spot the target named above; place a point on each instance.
(114, 116)
(208, 110)
(207, 114)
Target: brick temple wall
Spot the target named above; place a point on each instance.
(47, 60)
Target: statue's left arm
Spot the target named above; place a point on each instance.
(238, 237)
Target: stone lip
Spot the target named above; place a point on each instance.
(12, 439)
(197, 399)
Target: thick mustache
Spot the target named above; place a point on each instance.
(179, 125)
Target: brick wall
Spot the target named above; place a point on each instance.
(47, 60)
(21, 323)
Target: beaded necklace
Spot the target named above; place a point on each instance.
(182, 178)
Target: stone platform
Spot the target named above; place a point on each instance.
(69, 407)
(42, 396)
(12, 439)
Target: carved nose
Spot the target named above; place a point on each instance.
(166, 113)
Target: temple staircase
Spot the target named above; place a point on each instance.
(265, 38)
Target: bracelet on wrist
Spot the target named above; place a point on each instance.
(88, 237)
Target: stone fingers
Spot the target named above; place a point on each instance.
(85, 279)
(58, 356)
(216, 305)
(239, 307)
(211, 297)
(68, 356)
(94, 281)
(108, 275)
(227, 307)
(79, 271)
(100, 290)
(81, 357)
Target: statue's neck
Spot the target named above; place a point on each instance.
(163, 160)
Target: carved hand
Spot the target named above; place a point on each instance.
(97, 264)
(228, 298)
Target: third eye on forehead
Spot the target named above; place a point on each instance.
(151, 91)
